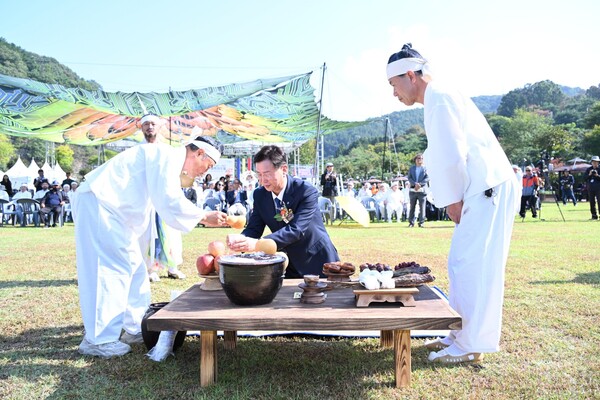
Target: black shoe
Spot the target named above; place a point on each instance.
(522, 215)
(594, 217)
(421, 224)
(534, 215)
(411, 225)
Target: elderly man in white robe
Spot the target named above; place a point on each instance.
(394, 202)
(113, 211)
(471, 176)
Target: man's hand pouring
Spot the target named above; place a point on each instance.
(214, 219)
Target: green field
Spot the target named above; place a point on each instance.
(549, 350)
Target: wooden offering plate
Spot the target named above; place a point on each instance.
(211, 282)
(397, 295)
(313, 293)
(338, 276)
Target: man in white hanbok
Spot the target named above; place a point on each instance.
(379, 198)
(113, 211)
(394, 202)
(166, 248)
(471, 176)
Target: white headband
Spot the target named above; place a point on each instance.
(402, 66)
(209, 150)
(149, 117)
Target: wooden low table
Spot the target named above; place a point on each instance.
(211, 311)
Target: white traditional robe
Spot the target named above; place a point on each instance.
(394, 203)
(463, 160)
(113, 211)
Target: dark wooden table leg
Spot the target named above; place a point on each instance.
(230, 339)
(402, 368)
(386, 338)
(208, 357)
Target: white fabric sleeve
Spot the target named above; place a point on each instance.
(446, 156)
(164, 187)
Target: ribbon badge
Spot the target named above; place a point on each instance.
(284, 214)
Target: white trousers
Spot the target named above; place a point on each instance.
(476, 266)
(114, 290)
(394, 208)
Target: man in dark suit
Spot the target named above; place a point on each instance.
(289, 207)
(418, 178)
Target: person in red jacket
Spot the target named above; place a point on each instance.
(531, 183)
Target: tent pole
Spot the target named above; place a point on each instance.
(319, 146)
(385, 136)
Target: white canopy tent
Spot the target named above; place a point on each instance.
(59, 173)
(33, 170)
(19, 174)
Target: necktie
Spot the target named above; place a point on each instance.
(278, 203)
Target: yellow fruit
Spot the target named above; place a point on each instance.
(236, 221)
(287, 260)
(267, 246)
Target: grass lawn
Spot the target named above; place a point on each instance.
(550, 346)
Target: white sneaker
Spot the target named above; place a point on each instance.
(154, 277)
(104, 350)
(130, 339)
(444, 357)
(176, 274)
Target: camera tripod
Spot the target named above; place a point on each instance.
(555, 195)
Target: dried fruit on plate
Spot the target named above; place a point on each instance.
(375, 267)
(339, 267)
(409, 280)
(411, 270)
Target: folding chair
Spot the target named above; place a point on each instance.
(326, 209)
(371, 206)
(31, 208)
(7, 209)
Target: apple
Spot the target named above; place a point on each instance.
(205, 264)
(216, 248)
(216, 264)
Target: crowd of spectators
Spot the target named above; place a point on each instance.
(52, 200)
(227, 193)
(405, 199)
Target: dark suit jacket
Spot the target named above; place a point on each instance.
(413, 178)
(304, 239)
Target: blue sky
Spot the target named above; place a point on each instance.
(482, 47)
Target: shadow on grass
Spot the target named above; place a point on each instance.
(259, 368)
(589, 278)
(38, 284)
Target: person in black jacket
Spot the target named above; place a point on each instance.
(52, 203)
(7, 185)
(566, 183)
(592, 177)
(329, 184)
